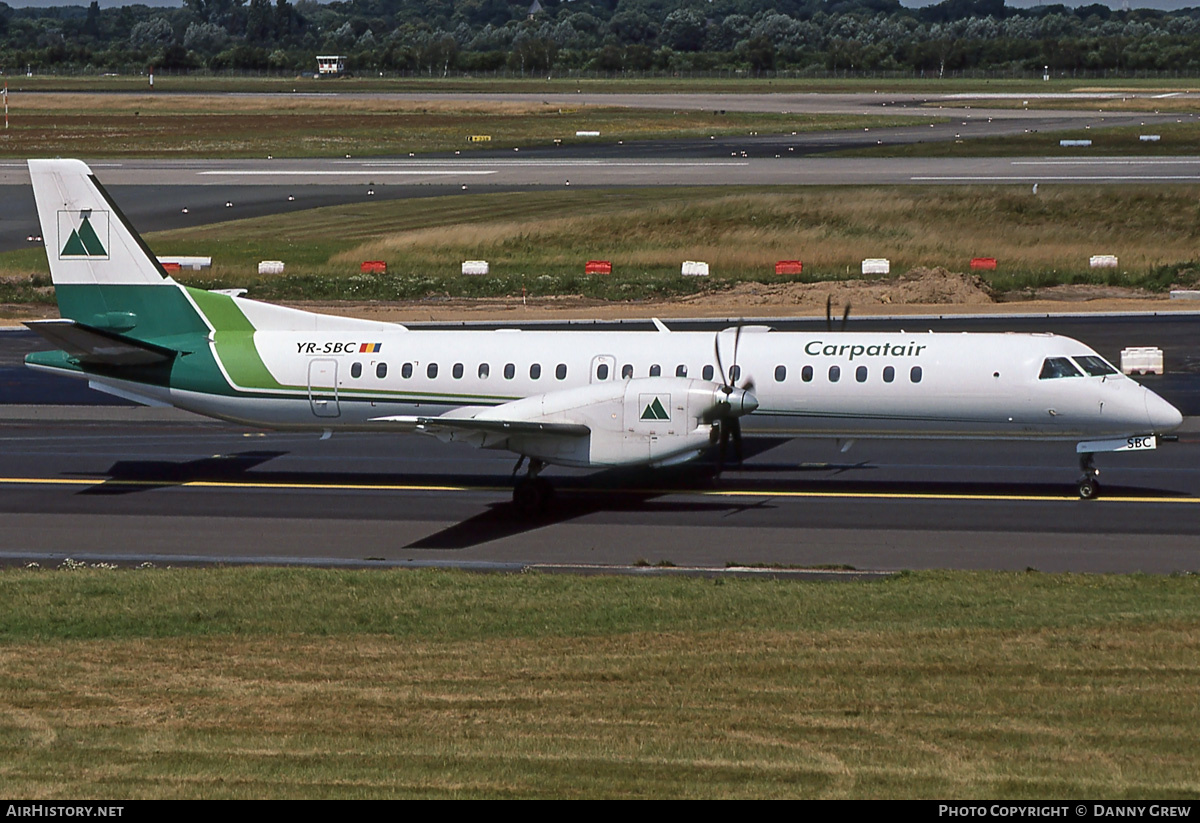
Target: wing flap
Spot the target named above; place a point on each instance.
(92, 345)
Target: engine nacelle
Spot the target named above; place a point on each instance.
(654, 421)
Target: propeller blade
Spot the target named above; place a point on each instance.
(722, 444)
(720, 365)
(735, 430)
(829, 312)
(845, 316)
(737, 338)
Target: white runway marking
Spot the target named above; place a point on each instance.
(1084, 161)
(1131, 178)
(300, 173)
(648, 164)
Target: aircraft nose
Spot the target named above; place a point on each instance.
(1162, 415)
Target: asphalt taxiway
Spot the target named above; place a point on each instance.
(132, 485)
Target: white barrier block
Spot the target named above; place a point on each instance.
(475, 267)
(1142, 360)
(876, 265)
(270, 267)
(587, 134)
(1068, 143)
(1148, 138)
(193, 263)
(694, 268)
(1103, 261)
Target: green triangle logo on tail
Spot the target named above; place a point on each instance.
(83, 241)
(655, 411)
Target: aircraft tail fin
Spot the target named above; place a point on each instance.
(107, 280)
(88, 240)
(105, 276)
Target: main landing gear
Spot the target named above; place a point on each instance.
(1089, 485)
(531, 494)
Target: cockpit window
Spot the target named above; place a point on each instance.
(1058, 367)
(1095, 366)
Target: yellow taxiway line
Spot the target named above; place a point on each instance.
(412, 487)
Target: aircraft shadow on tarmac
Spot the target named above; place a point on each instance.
(638, 491)
(130, 476)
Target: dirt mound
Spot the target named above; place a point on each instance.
(918, 286)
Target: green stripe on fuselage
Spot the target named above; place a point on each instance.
(233, 339)
(166, 316)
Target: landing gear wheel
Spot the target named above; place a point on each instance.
(532, 496)
(1089, 488)
(1089, 485)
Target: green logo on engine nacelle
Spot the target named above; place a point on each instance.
(655, 410)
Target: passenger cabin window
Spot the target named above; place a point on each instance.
(602, 371)
(1095, 366)
(535, 371)
(681, 371)
(484, 370)
(381, 370)
(914, 374)
(356, 370)
(457, 371)
(707, 373)
(627, 372)
(835, 374)
(806, 374)
(656, 370)
(510, 371)
(780, 374)
(889, 374)
(405, 370)
(735, 374)
(431, 370)
(860, 374)
(1055, 367)
(560, 371)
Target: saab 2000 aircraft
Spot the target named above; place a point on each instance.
(579, 398)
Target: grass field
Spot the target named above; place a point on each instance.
(618, 84)
(1181, 138)
(264, 683)
(537, 242)
(287, 125)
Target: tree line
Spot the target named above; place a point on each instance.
(445, 37)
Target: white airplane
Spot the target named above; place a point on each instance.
(575, 398)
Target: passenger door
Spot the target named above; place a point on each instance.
(322, 387)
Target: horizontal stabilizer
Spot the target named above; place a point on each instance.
(433, 425)
(93, 345)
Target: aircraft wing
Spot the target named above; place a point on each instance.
(468, 425)
(93, 345)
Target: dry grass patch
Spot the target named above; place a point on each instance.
(829, 229)
(294, 125)
(713, 714)
(537, 242)
(290, 683)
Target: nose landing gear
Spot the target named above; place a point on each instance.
(1089, 485)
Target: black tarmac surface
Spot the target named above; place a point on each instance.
(130, 484)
